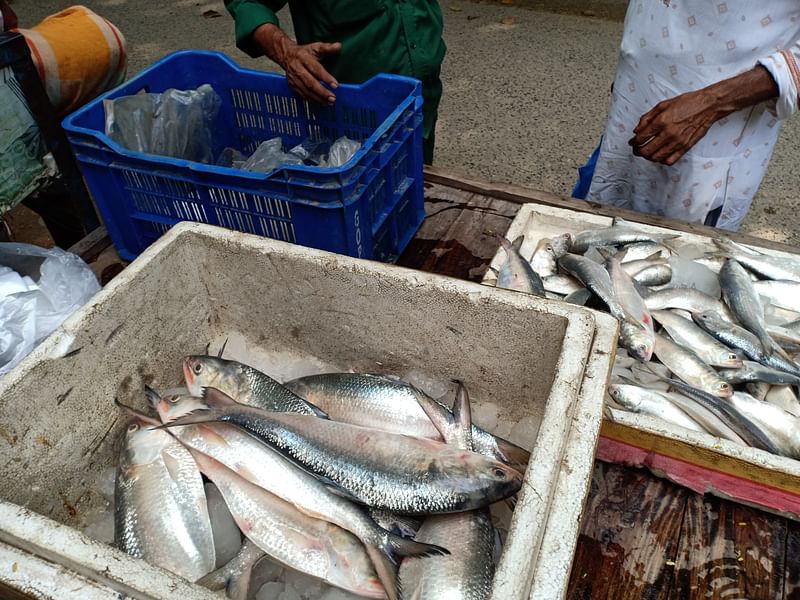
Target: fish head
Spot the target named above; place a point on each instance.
(481, 478)
(348, 566)
(638, 341)
(560, 244)
(622, 396)
(171, 407)
(708, 317)
(730, 359)
(211, 371)
(722, 389)
(142, 444)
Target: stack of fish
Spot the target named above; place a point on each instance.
(724, 326)
(315, 473)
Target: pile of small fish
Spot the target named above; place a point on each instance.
(724, 326)
(362, 481)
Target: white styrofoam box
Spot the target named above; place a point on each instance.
(726, 469)
(280, 302)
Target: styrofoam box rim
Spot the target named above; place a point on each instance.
(567, 402)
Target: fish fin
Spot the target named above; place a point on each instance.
(511, 502)
(462, 416)
(201, 415)
(517, 242)
(386, 568)
(495, 271)
(172, 465)
(152, 396)
(318, 412)
(654, 255)
(222, 349)
(511, 454)
(217, 398)
(578, 297)
(439, 415)
(335, 488)
(400, 546)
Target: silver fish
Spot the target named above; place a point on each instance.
(244, 384)
(783, 397)
(379, 469)
(561, 284)
(707, 347)
(658, 274)
(690, 368)
(645, 251)
(741, 297)
(687, 299)
(517, 273)
(708, 419)
(754, 371)
(641, 400)
(160, 511)
(543, 260)
(595, 278)
(381, 402)
(624, 291)
(781, 427)
(613, 236)
(738, 337)
(306, 544)
(784, 294)
(729, 414)
(467, 573)
(757, 389)
(263, 466)
(560, 244)
(771, 267)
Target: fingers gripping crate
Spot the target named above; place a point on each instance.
(368, 208)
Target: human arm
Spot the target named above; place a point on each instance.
(673, 126)
(258, 32)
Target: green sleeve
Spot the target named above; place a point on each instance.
(249, 15)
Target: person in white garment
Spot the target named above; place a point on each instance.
(699, 95)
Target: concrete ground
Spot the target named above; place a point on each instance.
(526, 87)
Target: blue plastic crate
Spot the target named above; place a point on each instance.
(369, 208)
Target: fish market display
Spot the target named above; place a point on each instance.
(361, 482)
(708, 339)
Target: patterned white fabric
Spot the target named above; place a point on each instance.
(669, 48)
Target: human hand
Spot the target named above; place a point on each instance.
(673, 126)
(304, 70)
(302, 63)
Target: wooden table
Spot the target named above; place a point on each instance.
(641, 537)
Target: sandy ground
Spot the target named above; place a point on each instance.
(526, 87)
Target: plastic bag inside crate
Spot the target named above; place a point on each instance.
(368, 208)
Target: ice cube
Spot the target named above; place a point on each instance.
(105, 483)
(227, 539)
(485, 415)
(524, 432)
(100, 525)
(270, 591)
(435, 388)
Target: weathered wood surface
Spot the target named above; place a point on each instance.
(791, 590)
(629, 536)
(459, 234)
(729, 551)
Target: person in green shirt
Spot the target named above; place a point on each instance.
(349, 41)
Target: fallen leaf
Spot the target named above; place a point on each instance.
(211, 14)
(508, 20)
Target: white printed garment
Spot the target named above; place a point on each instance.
(672, 47)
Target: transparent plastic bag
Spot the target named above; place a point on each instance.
(175, 123)
(342, 150)
(269, 156)
(39, 288)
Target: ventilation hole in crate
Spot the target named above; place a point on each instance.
(152, 229)
(259, 205)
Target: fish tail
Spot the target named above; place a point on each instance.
(386, 569)
(201, 415)
(400, 546)
(512, 454)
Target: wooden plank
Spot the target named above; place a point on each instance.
(92, 245)
(792, 562)
(629, 536)
(729, 551)
(459, 235)
(523, 195)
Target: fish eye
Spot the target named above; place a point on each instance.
(197, 368)
(133, 427)
(174, 399)
(732, 356)
(499, 473)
